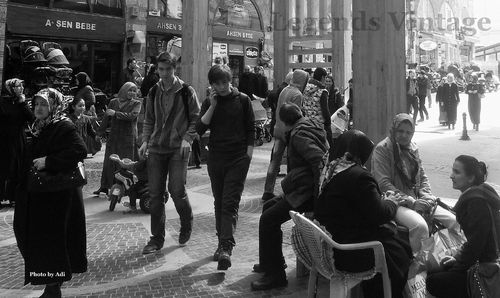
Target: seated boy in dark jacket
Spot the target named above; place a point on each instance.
(307, 153)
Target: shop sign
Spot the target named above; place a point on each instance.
(54, 23)
(428, 45)
(236, 49)
(219, 50)
(236, 34)
(164, 25)
(252, 52)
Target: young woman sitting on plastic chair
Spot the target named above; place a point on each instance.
(352, 209)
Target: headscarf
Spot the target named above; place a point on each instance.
(82, 80)
(11, 83)
(405, 158)
(122, 93)
(57, 105)
(352, 148)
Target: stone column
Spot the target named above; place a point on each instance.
(3, 20)
(280, 36)
(195, 46)
(342, 42)
(378, 65)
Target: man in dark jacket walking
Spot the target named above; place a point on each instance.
(307, 148)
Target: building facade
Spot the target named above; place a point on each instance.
(99, 36)
(440, 31)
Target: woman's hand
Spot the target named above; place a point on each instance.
(406, 201)
(447, 261)
(110, 112)
(39, 163)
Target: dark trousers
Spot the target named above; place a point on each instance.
(274, 214)
(196, 152)
(421, 106)
(8, 189)
(412, 103)
(448, 284)
(227, 176)
(160, 166)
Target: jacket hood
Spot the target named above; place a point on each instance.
(483, 191)
(299, 79)
(312, 87)
(313, 127)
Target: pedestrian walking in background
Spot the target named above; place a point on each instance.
(130, 73)
(272, 99)
(335, 98)
(352, 209)
(290, 94)
(475, 90)
(411, 94)
(247, 82)
(397, 166)
(169, 130)
(230, 117)
(315, 102)
(15, 114)
(121, 116)
(149, 81)
(83, 90)
(307, 148)
(83, 125)
(50, 226)
(450, 98)
(262, 89)
(423, 84)
(443, 115)
(477, 213)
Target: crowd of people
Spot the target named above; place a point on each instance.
(326, 172)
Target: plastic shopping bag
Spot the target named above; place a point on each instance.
(444, 242)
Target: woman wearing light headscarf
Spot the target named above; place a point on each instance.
(352, 209)
(50, 225)
(122, 115)
(397, 167)
(15, 114)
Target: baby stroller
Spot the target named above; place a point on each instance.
(262, 124)
(126, 183)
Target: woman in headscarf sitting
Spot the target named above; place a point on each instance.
(353, 210)
(397, 167)
(49, 224)
(14, 115)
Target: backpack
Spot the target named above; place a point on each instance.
(184, 94)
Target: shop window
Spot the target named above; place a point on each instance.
(165, 8)
(234, 13)
(32, 2)
(78, 5)
(108, 7)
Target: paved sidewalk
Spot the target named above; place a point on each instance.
(115, 240)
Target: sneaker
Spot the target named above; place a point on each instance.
(217, 253)
(101, 190)
(225, 257)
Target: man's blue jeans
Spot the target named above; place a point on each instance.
(174, 166)
(274, 166)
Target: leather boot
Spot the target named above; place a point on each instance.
(270, 281)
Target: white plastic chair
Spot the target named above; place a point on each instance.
(314, 248)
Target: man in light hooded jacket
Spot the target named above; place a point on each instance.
(290, 94)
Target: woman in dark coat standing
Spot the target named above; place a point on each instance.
(15, 114)
(84, 91)
(450, 98)
(475, 91)
(352, 209)
(50, 226)
(477, 211)
(122, 114)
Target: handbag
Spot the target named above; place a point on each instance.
(484, 277)
(44, 181)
